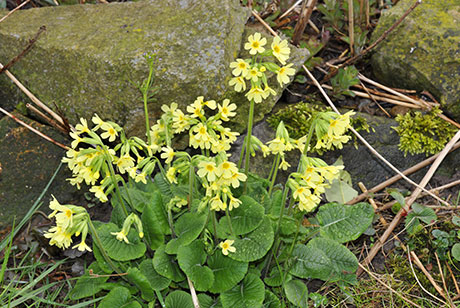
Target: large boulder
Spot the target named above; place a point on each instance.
(28, 163)
(422, 53)
(90, 55)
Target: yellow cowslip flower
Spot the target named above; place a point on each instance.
(253, 74)
(301, 194)
(97, 121)
(227, 247)
(64, 217)
(236, 178)
(181, 122)
(208, 170)
(171, 175)
(168, 154)
(256, 94)
(268, 91)
(59, 236)
(226, 170)
(277, 145)
(124, 163)
(280, 49)
(283, 74)
(226, 110)
(121, 236)
(99, 193)
(217, 204)
(169, 109)
(255, 44)
(82, 246)
(83, 127)
(109, 132)
(310, 203)
(199, 137)
(210, 104)
(55, 206)
(241, 67)
(239, 83)
(196, 108)
(76, 141)
(284, 164)
(234, 202)
(141, 177)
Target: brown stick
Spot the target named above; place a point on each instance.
(14, 10)
(26, 50)
(412, 198)
(453, 278)
(46, 118)
(427, 274)
(449, 300)
(267, 26)
(373, 99)
(303, 20)
(374, 44)
(34, 130)
(397, 177)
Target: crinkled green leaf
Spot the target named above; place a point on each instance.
(207, 301)
(155, 221)
(456, 220)
(119, 250)
(271, 300)
(456, 251)
(191, 259)
(275, 279)
(117, 298)
(255, 245)
(245, 218)
(87, 285)
(249, 293)
(323, 259)
(188, 227)
(136, 277)
(297, 293)
(179, 299)
(166, 265)
(344, 223)
(276, 202)
(419, 212)
(227, 272)
(163, 186)
(157, 282)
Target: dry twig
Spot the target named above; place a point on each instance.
(14, 10)
(303, 20)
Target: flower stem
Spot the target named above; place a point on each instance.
(240, 160)
(145, 93)
(191, 177)
(229, 221)
(248, 142)
(114, 180)
(275, 173)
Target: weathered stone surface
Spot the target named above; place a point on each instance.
(423, 53)
(89, 55)
(360, 163)
(28, 163)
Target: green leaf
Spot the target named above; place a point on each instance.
(254, 245)
(207, 301)
(227, 272)
(398, 197)
(117, 298)
(155, 221)
(297, 293)
(275, 279)
(188, 227)
(456, 251)
(340, 192)
(191, 259)
(139, 198)
(87, 285)
(344, 223)
(250, 293)
(157, 282)
(419, 212)
(166, 266)
(323, 259)
(271, 301)
(456, 221)
(119, 250)
(245, 218)
(179, 299)
(163, 186)
(137, 278)
(276, 200)
(103, 264)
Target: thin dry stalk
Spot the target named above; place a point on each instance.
(371, 149)
(375, 97)
(34, 130)
(418, 281)
(412, 198)
(443, 281)
(14, 10)
(453, 279)
(303, 20)
(195, 301)
(351, 28)
(32, 97)
(368, 23)
(46, 118)
(387, 286)
(264, 23)
(313, 26)
(397, 177)
(290, 10)
(374, 100)
(379, 93)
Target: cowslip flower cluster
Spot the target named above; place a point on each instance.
(219, 176)
(254, 70)
(310, 182)
(331, 128)
(282, 144)
(129, 221)
(71, 220)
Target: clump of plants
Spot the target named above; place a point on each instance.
(197, 230)
(297, 119)
(421, 132)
